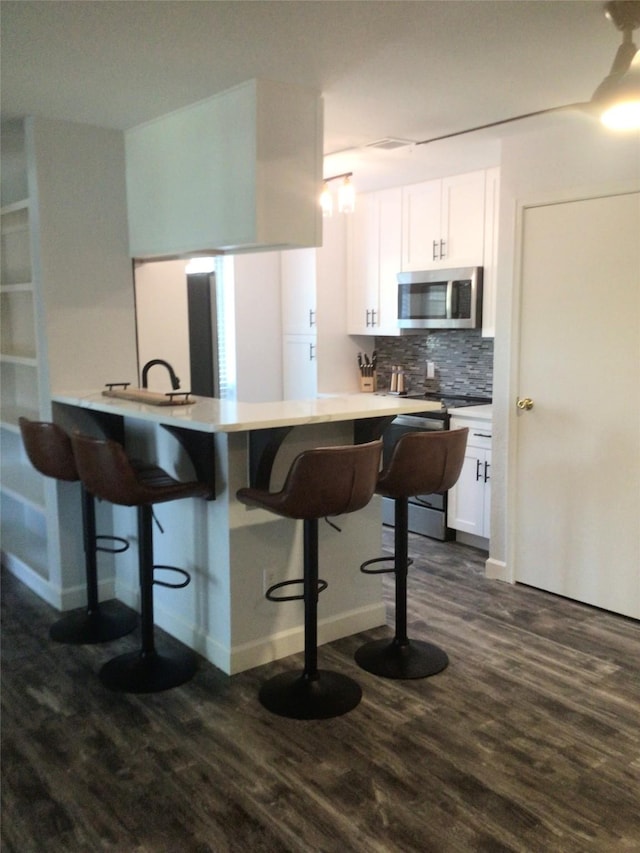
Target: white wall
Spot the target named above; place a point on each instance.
(163, 321)
(258, 327)
(571, 156)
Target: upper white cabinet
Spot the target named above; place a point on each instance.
(298, 283)
(374, 261)
(443, 222)
(237, 172)
(438, 224)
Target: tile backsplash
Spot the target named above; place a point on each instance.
(463, 361)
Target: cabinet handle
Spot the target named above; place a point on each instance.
(312, 317)
(486, 472)
(482, 434)
(368, 323)
(312, 353)
(478, 473)
(373, 316)
(435, 249)
(443, 250)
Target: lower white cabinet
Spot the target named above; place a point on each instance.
(469, 505)
(299, 362)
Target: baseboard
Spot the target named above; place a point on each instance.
(31, 579)
(285, 643)
(266, 649)
(497, 570)
(472, 540)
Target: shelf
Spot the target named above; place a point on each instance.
(15, 358)
(24, 544)
(15, 206)
(22, 483)
(18, 287)
(9, 416)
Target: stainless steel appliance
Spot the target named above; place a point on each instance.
(440, 299)
(427, 513)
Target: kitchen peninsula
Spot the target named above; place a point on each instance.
(231, 551)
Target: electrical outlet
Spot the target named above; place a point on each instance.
(268, 579)
(431, 370)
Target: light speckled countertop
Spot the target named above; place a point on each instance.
(209, 414)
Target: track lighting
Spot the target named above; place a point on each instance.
(346, 195)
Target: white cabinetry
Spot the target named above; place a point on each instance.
(318, 354)
(298, 277)
(298, 283)
(299, 374)
(238, 172)
(469, 503)
(24, 535)
(443, 223)
(374, 260)
(67, 321)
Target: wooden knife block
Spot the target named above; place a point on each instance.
(368, 384)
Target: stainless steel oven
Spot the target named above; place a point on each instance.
(427, 513)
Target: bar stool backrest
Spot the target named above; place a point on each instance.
(424, 463)
(49, 450)
(106, 471)
(324, 481)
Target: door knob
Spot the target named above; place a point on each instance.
(524, 405)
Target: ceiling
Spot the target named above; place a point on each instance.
(409, 70)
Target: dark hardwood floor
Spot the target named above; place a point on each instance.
(529, 741)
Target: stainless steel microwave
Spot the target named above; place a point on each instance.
(440, 299)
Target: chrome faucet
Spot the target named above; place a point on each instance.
(175, 381)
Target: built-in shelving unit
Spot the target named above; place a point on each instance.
(66, 319)
(24, 537)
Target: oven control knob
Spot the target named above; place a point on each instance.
(524, 405)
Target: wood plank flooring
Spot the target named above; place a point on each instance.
(529, 741)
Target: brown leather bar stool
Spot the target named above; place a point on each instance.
(49, 450)
(422, 463)
(109, 474)
(326, 481)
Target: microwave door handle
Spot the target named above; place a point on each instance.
(449, 300)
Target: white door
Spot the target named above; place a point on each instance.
(578, 448)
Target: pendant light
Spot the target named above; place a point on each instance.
(326, 200)
(617, 98)
(346, 195)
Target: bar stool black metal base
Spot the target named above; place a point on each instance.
(137, 672)
(299, 697)
(109, 621)
(414, 659)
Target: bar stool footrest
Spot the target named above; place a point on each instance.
(185, 575)
(368, 571)
(110, 621)
(391, 659)
(322, 585)
(137, 672)
(123, 544)
(299, 697)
